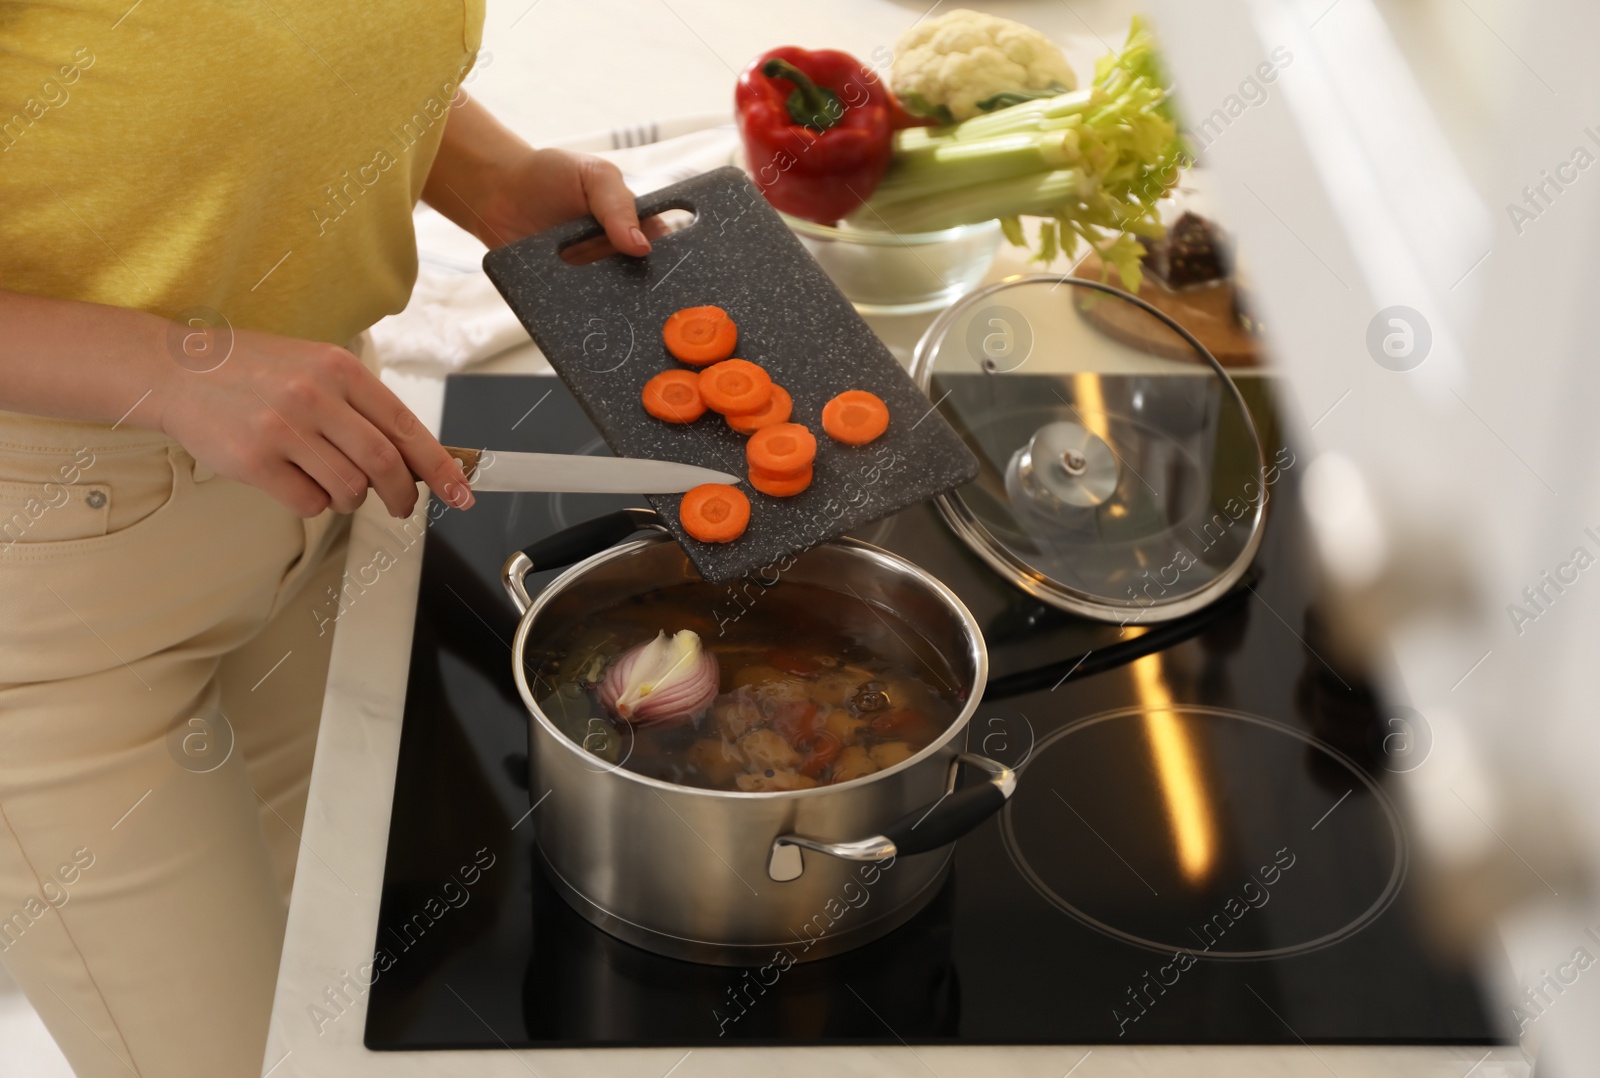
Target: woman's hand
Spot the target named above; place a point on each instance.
(542, 188)
(308, 424)
(305, 422)
(494, 185)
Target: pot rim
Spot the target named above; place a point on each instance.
(978, 653)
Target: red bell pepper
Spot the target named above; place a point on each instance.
(817, 130)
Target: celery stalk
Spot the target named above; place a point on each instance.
(943, 165)
(912, 139)
(1035, 193)
(1020, 117)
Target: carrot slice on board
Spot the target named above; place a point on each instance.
(855, 417)
(674, 396)
(780, 486)
(777, 410)
(700, 335)
(735, 385)
(781, 449)
(714, 512)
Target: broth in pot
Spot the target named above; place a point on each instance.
(813, 688)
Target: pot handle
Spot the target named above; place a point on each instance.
(570, 545)
(919, 831)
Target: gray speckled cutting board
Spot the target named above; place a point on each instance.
(600, 327)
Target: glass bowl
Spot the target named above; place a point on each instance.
(901, 272)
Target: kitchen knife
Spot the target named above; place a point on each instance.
(495, 470)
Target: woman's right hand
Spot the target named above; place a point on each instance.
(308, 424)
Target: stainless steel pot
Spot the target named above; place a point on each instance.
(739, 878)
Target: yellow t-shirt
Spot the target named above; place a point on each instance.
(260, 158)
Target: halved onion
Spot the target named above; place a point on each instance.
(667, 680)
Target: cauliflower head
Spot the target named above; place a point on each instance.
(963, 57)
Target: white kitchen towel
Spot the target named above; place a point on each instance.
(456, 317)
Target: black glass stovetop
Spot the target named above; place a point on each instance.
(1202, 847)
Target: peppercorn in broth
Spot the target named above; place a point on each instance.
(814, 688)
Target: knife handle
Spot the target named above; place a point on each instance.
(467, 458)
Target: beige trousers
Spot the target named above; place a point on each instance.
(161, 679)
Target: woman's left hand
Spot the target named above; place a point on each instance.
(490, 182)
(546, 187)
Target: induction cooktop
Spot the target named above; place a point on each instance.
(1203, 847)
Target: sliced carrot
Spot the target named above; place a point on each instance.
(781, 449)
(780, 486)
(714, 512)
(674, 396)
(767, 473)
(700, 335)
(855, 417)
(777, 410)
(735, 385)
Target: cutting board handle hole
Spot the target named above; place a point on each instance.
(590, 245)
(667, 221)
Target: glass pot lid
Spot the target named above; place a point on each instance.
(1121, 477)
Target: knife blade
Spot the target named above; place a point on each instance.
(495, 470)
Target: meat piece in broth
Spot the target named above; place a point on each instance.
(736, 713)
(773, 780)
(766, 750)
(853, 762)
(717, 760)
(890, 753)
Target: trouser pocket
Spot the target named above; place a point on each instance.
(50, 512)
(50, 496)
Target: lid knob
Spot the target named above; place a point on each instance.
(1065, 465)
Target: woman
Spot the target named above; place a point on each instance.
(201, 209)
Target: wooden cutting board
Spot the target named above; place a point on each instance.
(1206, 311)
(600, 327)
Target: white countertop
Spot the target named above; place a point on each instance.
(685, 52)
